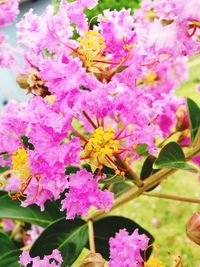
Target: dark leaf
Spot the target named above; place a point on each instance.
(26, 143)
(142, 150)
(194, 117)
(4, 168)
(9, 254)
(147, 169)
(107, 227)
(68, 236)
(71, 169)
(11, 209)
(172, 156)
(120, 188)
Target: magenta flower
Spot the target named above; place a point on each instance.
(84, 192)
(53, 260)
(8, 11)
(125, 249)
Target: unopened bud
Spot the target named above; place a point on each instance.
(193, 228)
(93, 260)
(22, 80)
(33, 84)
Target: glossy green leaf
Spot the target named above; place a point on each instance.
(142, 150)
(68, 236)
(11, 209)
(9, 254)
(147, 169)
(194, 117)
(107, 227)
(172, 156)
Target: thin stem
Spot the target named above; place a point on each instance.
(170, 135)
(172, 197)
(91, 236)
(151, 181)
(129, 170)
(90, 121)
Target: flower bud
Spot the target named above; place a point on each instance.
(33, 84)
(193, 228)
(93, 260)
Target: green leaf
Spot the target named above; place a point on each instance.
(26, 142)
(10, 259)
(71, 169)
(68, 236)
(120, 188)
(172, 156)
(9, 254)
(107, 227)
(4, 168)
(11, 209)
(112, 4)
(111, 179)
(147, 169)
(142, 150)
(194, 117)
(56, 4)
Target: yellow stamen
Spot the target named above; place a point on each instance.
(154, 262)
(150, 78)
(100, 145)
(91, 48)
(20, 163)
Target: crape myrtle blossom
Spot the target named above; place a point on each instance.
(96, 97)
(53, 260)
(178, 20)
(125, 249)
(84, 192)
(8, 12)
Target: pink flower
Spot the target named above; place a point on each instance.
(53, 260)
(32, 234)
(8, 11)
(125, 249)
(44, 32)
(84, 193)
(8, 225)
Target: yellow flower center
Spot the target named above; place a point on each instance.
(91, 50)
(154, 262)
(150, 78)
(100, 147)
(20, 163)
(151, 15)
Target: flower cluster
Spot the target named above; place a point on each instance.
(8, 11)
(96, 97)
(53, 260)
(125, 249)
